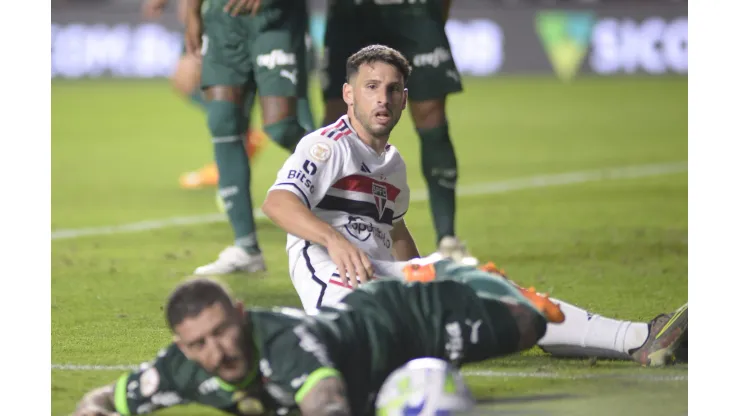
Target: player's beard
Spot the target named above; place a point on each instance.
(374, 129)
(235, 367)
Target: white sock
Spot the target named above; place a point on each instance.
(589, 335)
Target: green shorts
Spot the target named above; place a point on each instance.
(422, 41)
(266, 51)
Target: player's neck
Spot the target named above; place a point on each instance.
(378, 144)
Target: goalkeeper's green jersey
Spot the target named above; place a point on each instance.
(376, 329)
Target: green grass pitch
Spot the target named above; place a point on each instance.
(617, 247)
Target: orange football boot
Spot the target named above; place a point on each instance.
(207, 176)
(550, 309)
(419, 273)
(491, 267)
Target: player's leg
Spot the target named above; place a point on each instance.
(316, 280)
(186, 81)
(485, 318)
(585, 334)
(581, 333)
(226, 76)
(433, 78)
(281, 76)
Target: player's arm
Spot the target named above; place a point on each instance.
(325, 398)
(152, 9)
(291, 214)
(301, 184)
(98, 402)
(193, 6)
(404, 247)
(302, 373)
(193, 27)
(154, 386)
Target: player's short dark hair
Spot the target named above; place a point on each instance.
(191, 297)
(378, 53)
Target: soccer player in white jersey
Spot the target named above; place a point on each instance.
(342, 196)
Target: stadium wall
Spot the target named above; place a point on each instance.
(110, 39)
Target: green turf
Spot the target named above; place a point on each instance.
(618, 247)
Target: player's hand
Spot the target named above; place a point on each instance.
(194, 34)
(236, 7)
(353, 265)
(152, 9)
(93, 410)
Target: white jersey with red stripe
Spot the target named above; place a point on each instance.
(348, 185)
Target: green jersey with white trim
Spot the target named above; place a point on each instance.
(290, 353)
(375, 330)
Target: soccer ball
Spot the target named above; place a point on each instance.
(424, 387)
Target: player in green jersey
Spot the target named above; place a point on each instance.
(334, 361)
(186, 81)
(247, 47)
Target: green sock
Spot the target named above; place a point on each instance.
(197, 97)
(439, 166)
(305, 116)
(227, 124)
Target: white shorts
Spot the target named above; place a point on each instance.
(316, 279)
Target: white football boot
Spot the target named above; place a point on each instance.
(233, 259)
(453, 248)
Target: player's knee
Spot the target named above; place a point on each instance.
(286, 132)
(225, 119)
(428, 114)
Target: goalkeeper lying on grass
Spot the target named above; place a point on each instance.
(334, 361)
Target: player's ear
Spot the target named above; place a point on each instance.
(347, 94)
(239, 306)
(405, 98)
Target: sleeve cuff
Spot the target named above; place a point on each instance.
(313, 378)
(119, 395)
(399, 217)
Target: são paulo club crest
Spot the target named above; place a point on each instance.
(380, 193)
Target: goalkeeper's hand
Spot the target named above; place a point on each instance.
(94, 410)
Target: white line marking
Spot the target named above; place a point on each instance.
(557, 376)
(90, 367)
(540, 181)
(475, 373)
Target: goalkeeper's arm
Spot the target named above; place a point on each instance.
(98, 402)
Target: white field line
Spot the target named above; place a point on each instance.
(475, 373)
(487, 188)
